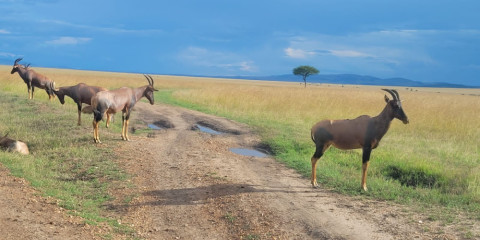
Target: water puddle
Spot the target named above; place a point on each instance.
(248, 152)
(208, 130)
(154, 127)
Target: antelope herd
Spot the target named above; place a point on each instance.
(363, 132)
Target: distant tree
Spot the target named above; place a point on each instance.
(305, 71)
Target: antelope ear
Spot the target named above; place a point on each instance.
(386, 99)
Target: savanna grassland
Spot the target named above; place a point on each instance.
(433, 160)
(432, 163)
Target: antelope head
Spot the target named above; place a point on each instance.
(60, 94)
(150, 89)
(396, 105)
(16, 65)
(1, 138)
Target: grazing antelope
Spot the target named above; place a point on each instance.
(13, 145)
(80, 93)
(122, 99)
(33, 79)
(362, 132)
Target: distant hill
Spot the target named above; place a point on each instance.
(353, 79)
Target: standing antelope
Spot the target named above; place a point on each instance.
(80, 93)
(33, 79)
(122, 99)
(362, 132)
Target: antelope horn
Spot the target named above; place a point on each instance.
(396, 93)
(52, 85)
(17, 60)
(151, 79)
(392, 92)
(149, 83)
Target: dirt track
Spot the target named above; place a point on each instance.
(189, 185)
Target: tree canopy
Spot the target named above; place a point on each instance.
(305, 71)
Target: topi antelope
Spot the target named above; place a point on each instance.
(33, 79)
(362, 132)
(122, 99)
(13, 145)
(80, 93)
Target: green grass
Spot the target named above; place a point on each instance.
(63, 164)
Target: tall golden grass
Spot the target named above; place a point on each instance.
(444, 127)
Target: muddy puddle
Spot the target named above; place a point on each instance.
(248, 152)
(206, 129)
(160, 124)
(154, 127)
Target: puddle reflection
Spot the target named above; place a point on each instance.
(154, 127)
(208, 130)
(248, 152)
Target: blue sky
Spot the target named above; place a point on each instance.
(429, 40)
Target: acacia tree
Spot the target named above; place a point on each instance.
(305, 71)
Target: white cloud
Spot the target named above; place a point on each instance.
(69, 41)
(303, 54)
(6, 54)
(298, 53)
(386, 47)
(224, 61)
(3, 31)
(112, 30)
(247, 66)
(348, 53)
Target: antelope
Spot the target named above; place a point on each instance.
(122, 99)
(12, 145)
(362, 132)
(80, 93)
(33, 79)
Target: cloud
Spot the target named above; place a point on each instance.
(304, 54)
(97, 28)
(7, 54)
(348, 53)
(379, 47)
(298, 53)
(69, 41)
(247, 66)
(223, 61)
(3, 31)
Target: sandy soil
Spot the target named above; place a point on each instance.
(26, 215)
(189, 185)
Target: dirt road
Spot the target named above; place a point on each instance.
(194, 187)
(189, 185)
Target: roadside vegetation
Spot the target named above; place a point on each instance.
(433, 160)
(63, 163)
(432, 163)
